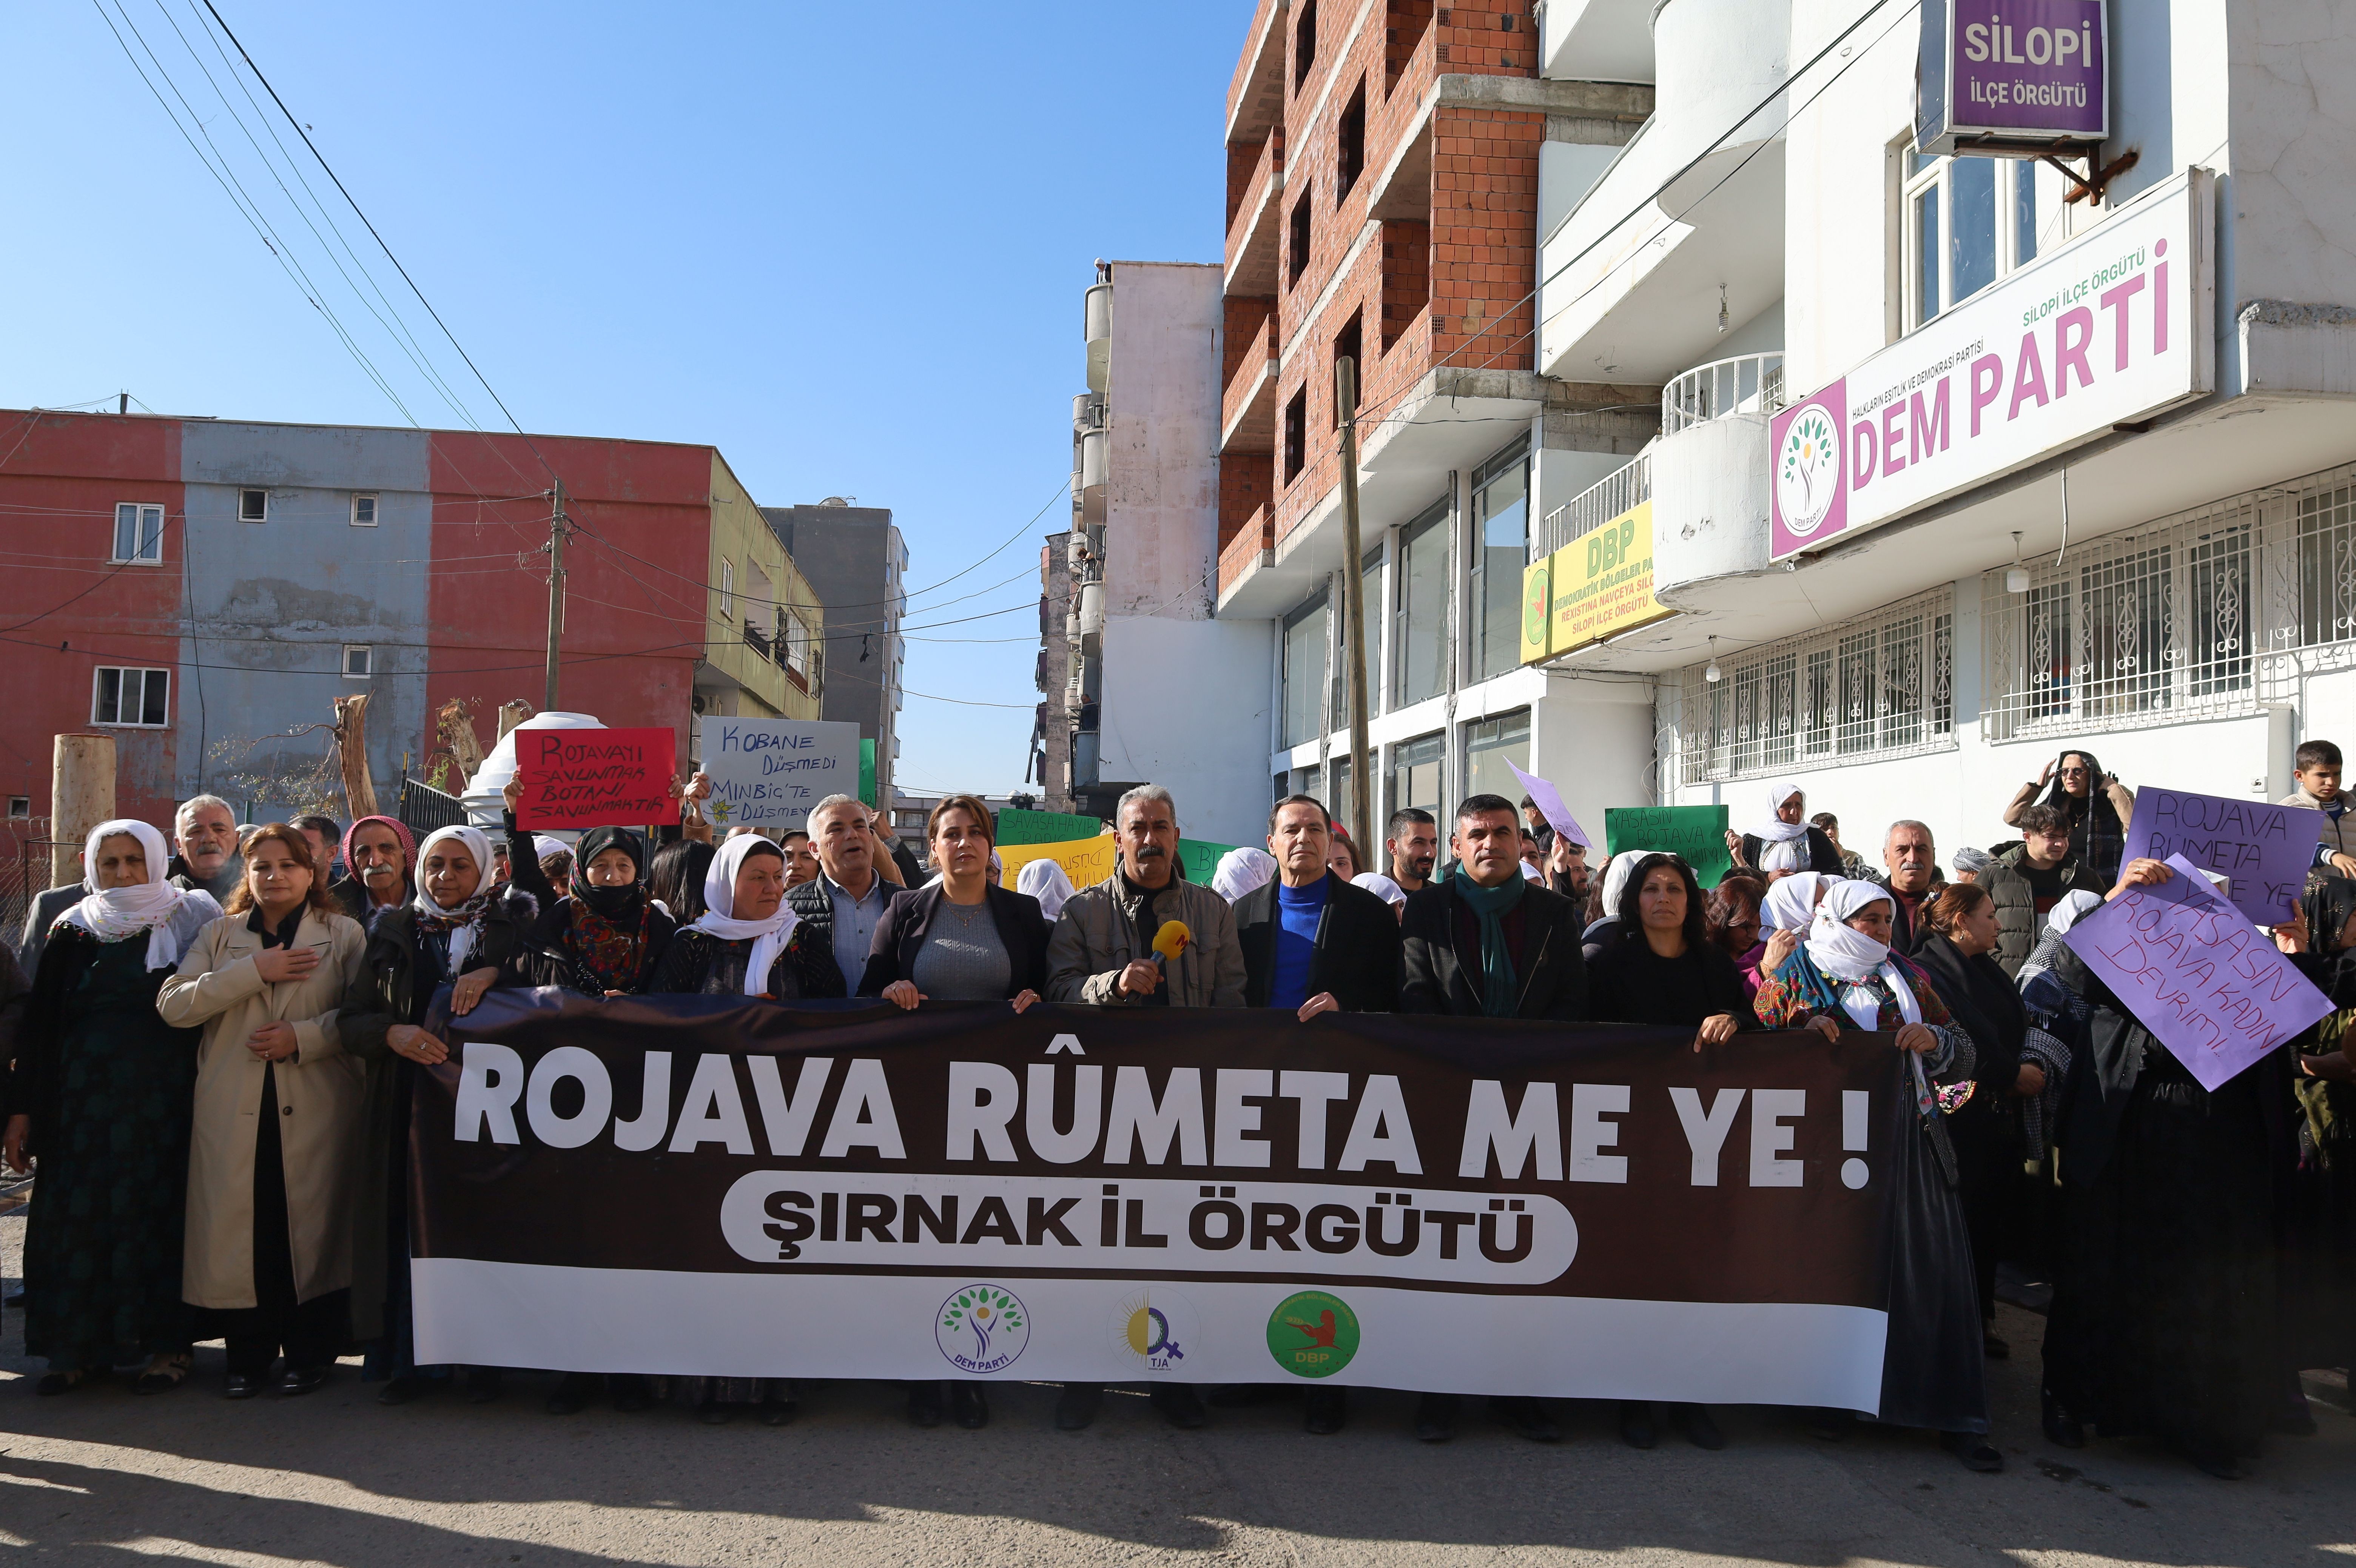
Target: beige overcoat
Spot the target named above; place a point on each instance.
(319, 1095)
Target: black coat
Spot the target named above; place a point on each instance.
(1628, 983)
(1356, 956)
(1438, 976)
(545, 958)
(1983, 998)
(1022, 930)
(1822, 856)
(816, 973)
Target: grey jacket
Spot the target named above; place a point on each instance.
(2336, 834)
(43, 913)
(2018, 923)
(1096, 938)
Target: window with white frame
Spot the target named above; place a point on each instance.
(727, 590)
(254, 506)
(20, 806)
(1967, 222)
(363, 511)
(139, 534)
(1880, 685)
(140, 698)
(360, 661)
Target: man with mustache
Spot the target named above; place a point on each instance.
(1102, 950)
(379, 855)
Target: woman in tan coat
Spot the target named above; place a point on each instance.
(275, 1145)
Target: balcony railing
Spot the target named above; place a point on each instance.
(1597, 505)
(1746, 384)
(754, 641)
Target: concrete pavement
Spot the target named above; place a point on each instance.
(104, 1477)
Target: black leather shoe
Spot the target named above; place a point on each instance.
(1324, 1412)
(629, 1392)
(1636, 1424)
(1240, 1396)
(573, 1393)
(1994, 1348)
(2062, 1429)
(968, 1406)
(711, 1413)
(2215, 1461)
(1831, 1425)
(296, 1382)
(240, 1385)
(55, 1384)
(1694, 1420)
(1077, 1405)
(924, 1404)
(1180, 1405)
(1973, 1450)
(399, 1391)
(1435, 1417)
(1526, 1417)
(777, 1407)
(482, 1384)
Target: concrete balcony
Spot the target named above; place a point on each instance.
(1248, 408)
(1746, 384)
(1252, 237)
(1710, 507)
(1596, 41)
(1256, 92)
(1640, 300)
(1251, 548)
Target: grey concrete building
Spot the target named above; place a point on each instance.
(858, 564)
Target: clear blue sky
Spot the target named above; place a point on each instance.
(844, 244)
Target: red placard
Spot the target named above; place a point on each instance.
(594, 778)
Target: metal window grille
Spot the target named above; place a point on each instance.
(1879, 687)
(1592, 507)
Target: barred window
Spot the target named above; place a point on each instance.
(2326, 565)
(1879, 687)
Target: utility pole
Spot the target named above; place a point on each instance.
(557, 528)
(1353, 606)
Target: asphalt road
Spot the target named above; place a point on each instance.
(104, 1477)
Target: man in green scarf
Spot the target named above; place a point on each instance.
(1484, 942)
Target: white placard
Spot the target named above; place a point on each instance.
(769, 773)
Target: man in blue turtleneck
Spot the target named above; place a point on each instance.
(1313, 943)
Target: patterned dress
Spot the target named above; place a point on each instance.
(108, 1087)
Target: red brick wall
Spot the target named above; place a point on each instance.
(1443, 288)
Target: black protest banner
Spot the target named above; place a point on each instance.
(709, 1185)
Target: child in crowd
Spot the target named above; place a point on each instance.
(2317, 768)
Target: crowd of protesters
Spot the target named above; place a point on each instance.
(211, 1043)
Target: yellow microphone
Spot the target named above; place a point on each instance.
(1171, 941)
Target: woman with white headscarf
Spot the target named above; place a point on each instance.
(1784, 916)
(1383, 888)
(1046, 881)
(1844, 977)
(461, 929)
(1241, 871)
(744, 941)
(99, 1092)
(1763, 847)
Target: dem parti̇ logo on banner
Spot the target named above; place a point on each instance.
(982, 1329)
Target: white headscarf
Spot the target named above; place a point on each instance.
(769, 936)
(170, 917)
(1791, 904)
(1241, 871)
(1615, 880)
(1531, 873)
(1382, 887)
(2075, 906)
(1848, 957)
(469, 914)
(1775, 830)
(1045, 880)
(544, 846)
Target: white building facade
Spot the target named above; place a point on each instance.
(1953, 469)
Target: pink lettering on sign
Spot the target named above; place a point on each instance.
(2159, 301)
(1863, 449)
(2115, 301)
(1891, 412)
(2072, 330)
(1926, 435)
(1985, 391)
(2028, 377)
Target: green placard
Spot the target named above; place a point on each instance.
(1201, 858)
(1696, 832)
(867, 774)
(1043, 826)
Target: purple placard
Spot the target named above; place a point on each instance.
(1548, 800)
(2190, 967)
(2263, 850)
(2028, 69)
(1809, 486)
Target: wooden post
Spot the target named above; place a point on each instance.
(351, 748)
(458, 734)
(81, 796)
(1353, 608)
(512, 714)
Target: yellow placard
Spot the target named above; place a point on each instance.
(1087, 861)
(1601, 583)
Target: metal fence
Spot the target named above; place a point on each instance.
(422, 809)
(24, 876)
(2206, 614)
(1606, 498)
(1746, 384)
